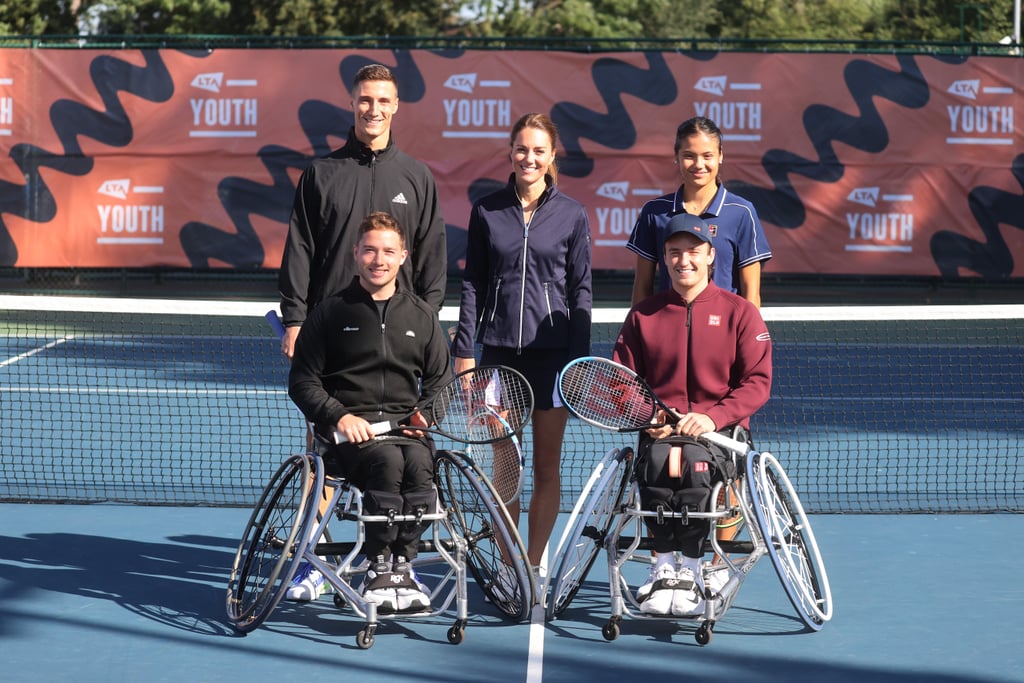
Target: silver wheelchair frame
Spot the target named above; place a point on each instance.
(607, 516)
(470, 530)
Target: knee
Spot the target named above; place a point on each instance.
(385, 503)
(421, 502)
(546, 469)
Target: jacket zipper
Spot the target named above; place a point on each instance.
(689, 341)
(373, 176)
(384, 365)
(547, 302)
(522, 288)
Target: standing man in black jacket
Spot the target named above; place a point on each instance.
(337, 191)
(369, 354)
(333, 196)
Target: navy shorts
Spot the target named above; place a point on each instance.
(539, 366)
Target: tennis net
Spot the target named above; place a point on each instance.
(873, 409)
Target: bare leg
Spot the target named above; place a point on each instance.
(548, 431)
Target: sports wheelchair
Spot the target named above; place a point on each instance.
(757, 501)
(291, 523)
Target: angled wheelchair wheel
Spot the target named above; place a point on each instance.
(592, 518)
(790, 540)
(272, 543)
(495, 555)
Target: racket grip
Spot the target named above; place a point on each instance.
(726, 442)
(275, 323)
(377, 428)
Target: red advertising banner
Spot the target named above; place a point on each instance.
(857, 164)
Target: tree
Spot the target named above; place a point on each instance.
(37, 17)
(152, 17)
(681, 19)
(947, 20)
(887, 20)
(345, 17)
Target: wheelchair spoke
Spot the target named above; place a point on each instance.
(790, 540)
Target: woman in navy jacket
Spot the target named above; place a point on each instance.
(526, 297)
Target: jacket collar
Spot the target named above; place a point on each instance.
(356, 292)
(709, 292)
(363, 153)
(550, 189)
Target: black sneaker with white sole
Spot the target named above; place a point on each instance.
(412, 594)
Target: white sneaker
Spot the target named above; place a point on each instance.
(540, 575)
(655, 596)
(377, 587)
(412, 594)
(687, 597)
(715, 578)
(658, 573)
(307, 584)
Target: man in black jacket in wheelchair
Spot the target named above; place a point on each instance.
(706, 353)
(369, 354)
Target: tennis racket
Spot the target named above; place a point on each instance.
(504, 460)
(275, 323)
(503, 463)
(611, 396)
(482, 405)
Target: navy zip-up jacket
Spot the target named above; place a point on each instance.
(526, 289)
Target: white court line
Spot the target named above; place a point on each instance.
(535, 663)
(28, 354)
(535, 660)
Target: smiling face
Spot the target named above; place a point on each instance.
(532, 156)
(689, 260)
(373, 104)
(699, 158)
(379, 255)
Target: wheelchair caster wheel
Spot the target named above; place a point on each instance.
(364, 639)
(339, 601)
(610, 631)
(703, 634)
(456, 634)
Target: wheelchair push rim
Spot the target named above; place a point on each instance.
(789, 539)
(268, 552)
(586, 532)
(495, 556)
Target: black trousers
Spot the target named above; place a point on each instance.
(688, 488)
(396, 476)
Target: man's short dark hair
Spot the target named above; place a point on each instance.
(374, 72)
(381, 220)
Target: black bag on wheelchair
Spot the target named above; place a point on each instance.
(677, 472)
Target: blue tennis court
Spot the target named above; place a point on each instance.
(129, 593)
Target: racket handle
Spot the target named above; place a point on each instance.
(275, 323)
(377, 428)
(726, 442)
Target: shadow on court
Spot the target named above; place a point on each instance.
(147, 601)
(182, 584)
(167, 582)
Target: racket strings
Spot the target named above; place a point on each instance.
(483, 405)
(605, 394)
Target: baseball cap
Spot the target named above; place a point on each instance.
(687, 222)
